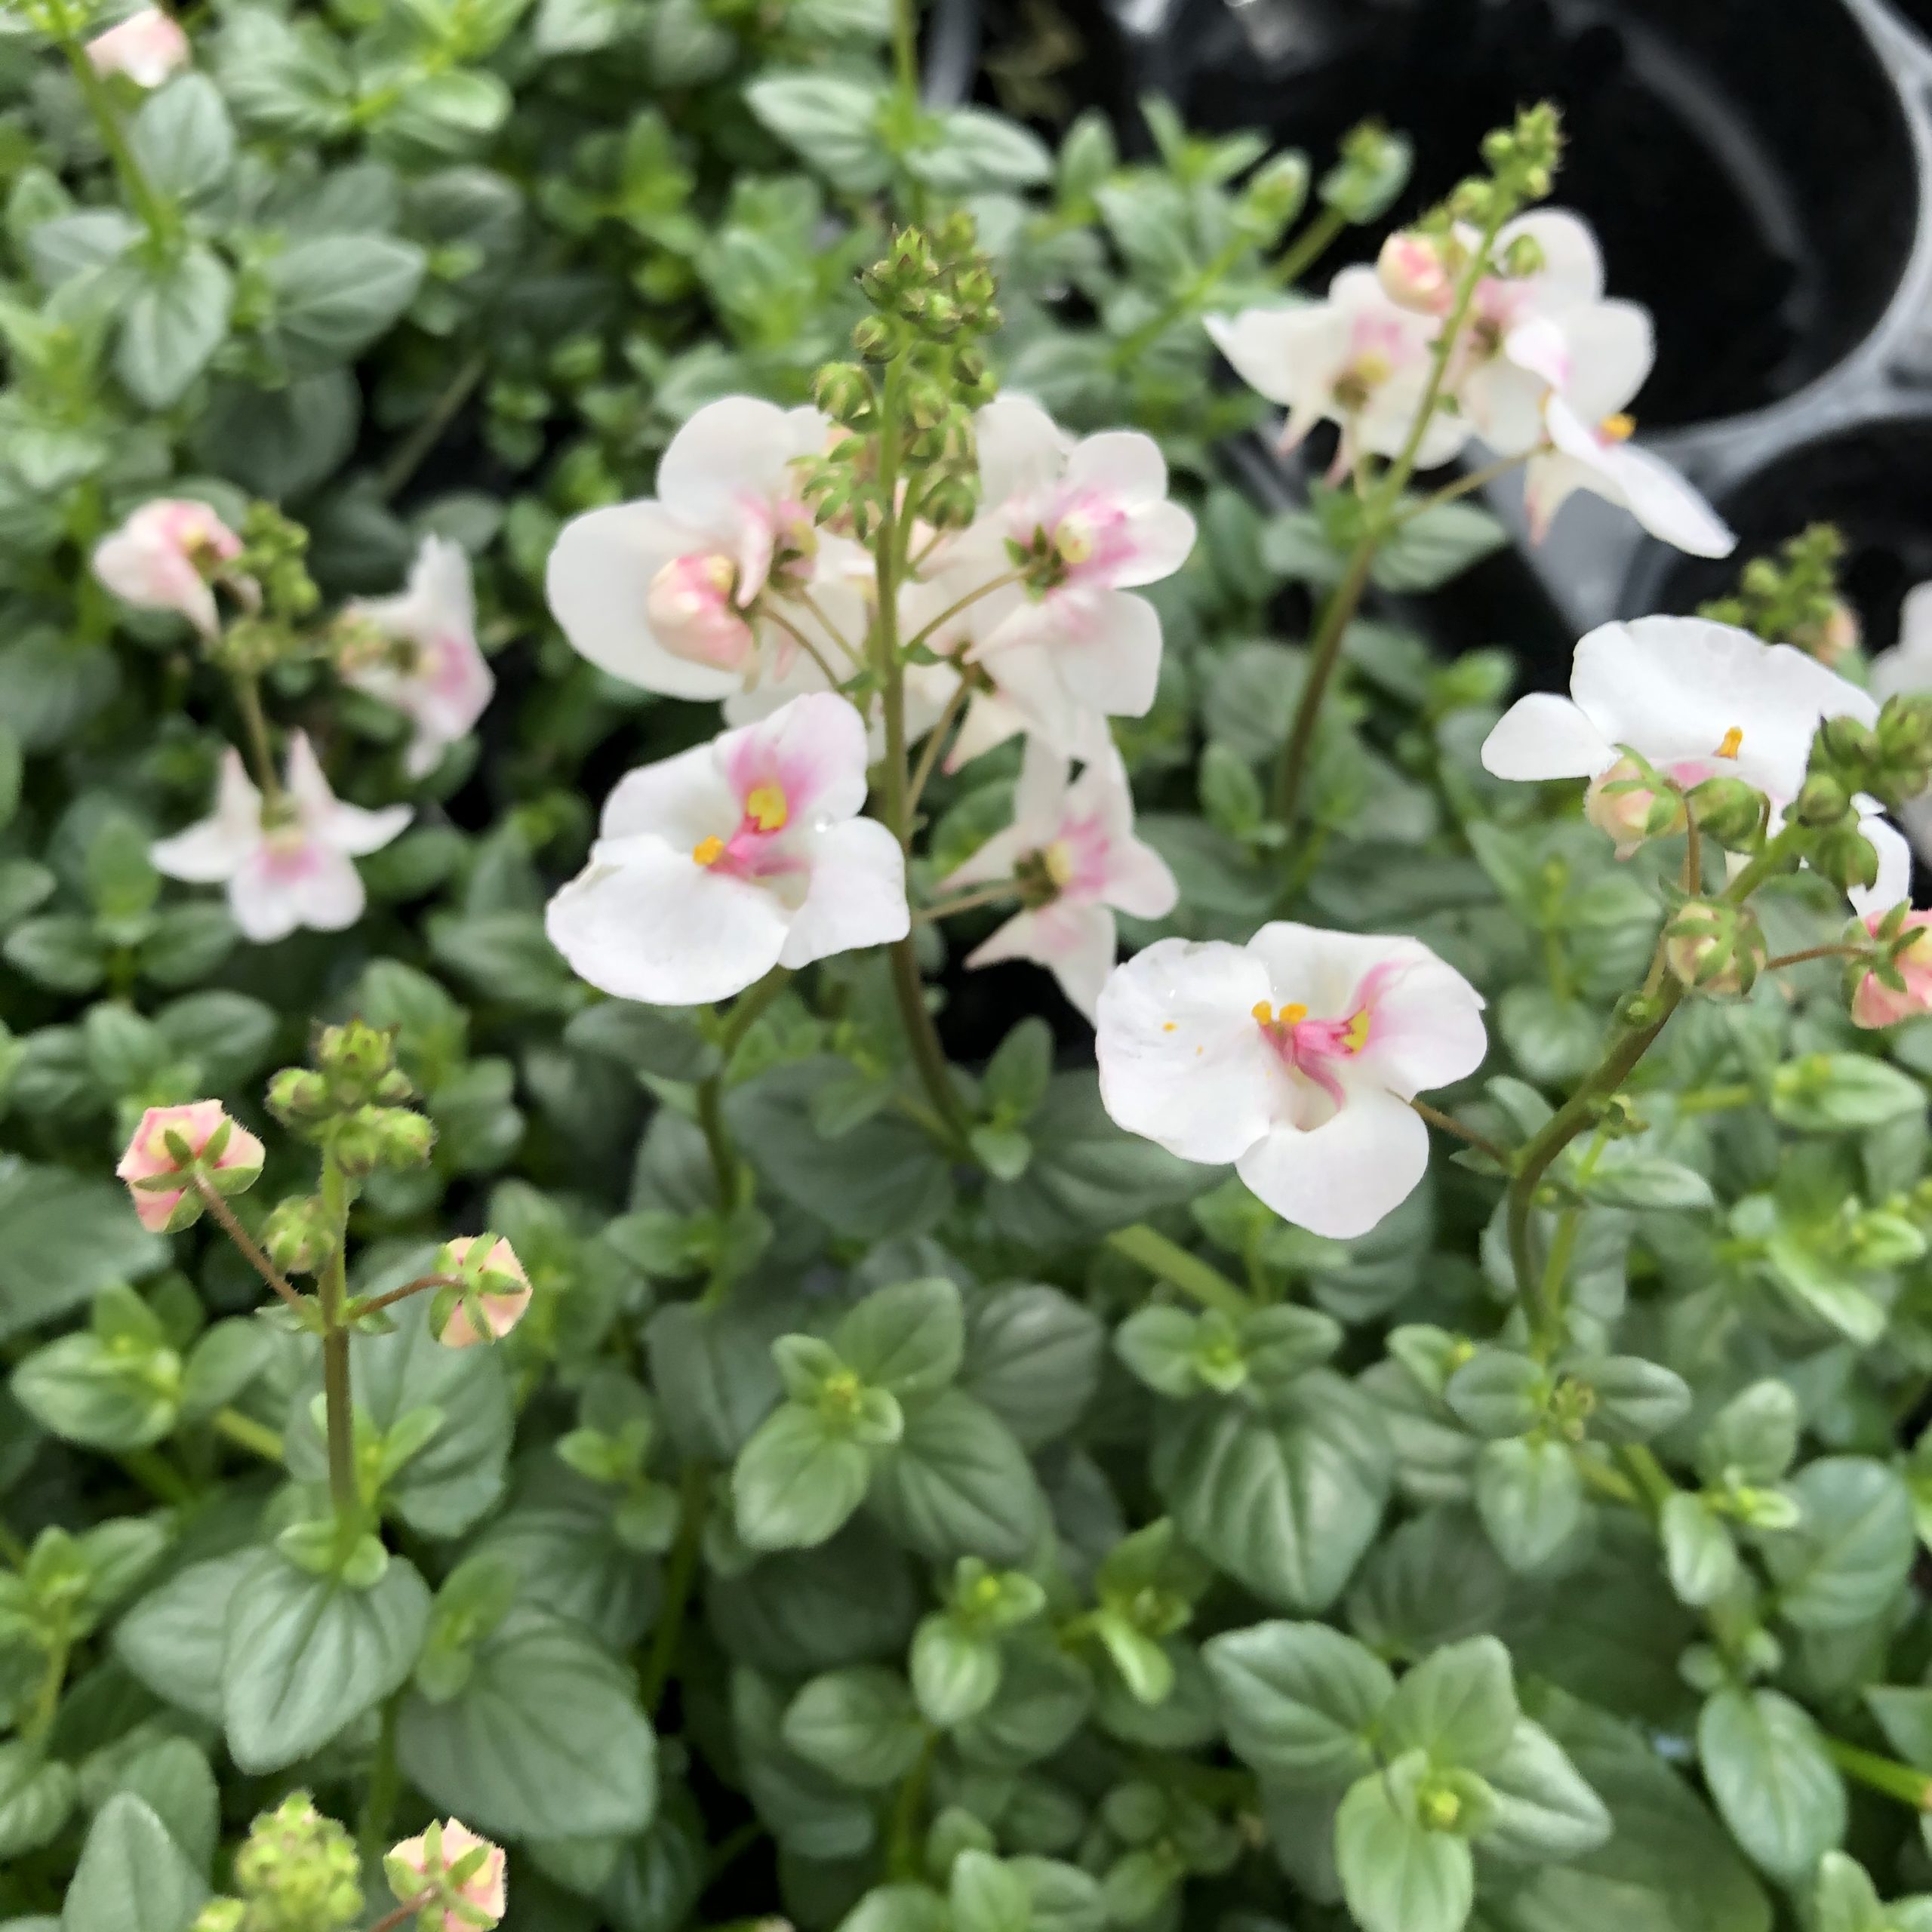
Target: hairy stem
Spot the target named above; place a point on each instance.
(1449, 1124)
(157, 216)
(338, 1398)
(226, 1220)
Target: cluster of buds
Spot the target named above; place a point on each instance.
(351, 1102)
(1894, 982)
(485, 1296)
(1851, 761)
(175, 1151)
(297, 1871)
(1522, 159)
(1714, 947)
(932, 298)
(451, 1880)
(1794, 598)
(272, 561)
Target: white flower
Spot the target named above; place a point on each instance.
(444, 684)
(1698, 700)
(1071, 848)
(1906, 669)
(1082, 524)
(714, 867)
(286, 868)
(1592, 451)
(147, 46)
(689, 593)
(1295, 1056)
(1357, 359)
(166, 556)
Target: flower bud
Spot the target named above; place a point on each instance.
(297, 1236)
(872, 339)
(491, 1296)
(221, 1915)
(950, 503)
(1833, 635)
(1413, 270)
(355, 1058)
(1899, 987)
(298, 1871)
(843, 390)
(146, 47)
(1714, 948)
(1729, 810)
(1848, 741)
(1822, 801)
(298, 1097)
(692, 610)
(449, 1868)
(174, 1147)
(1630, 803)
(1842, 853)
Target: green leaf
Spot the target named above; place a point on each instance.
(545, 1740)
(1698, 1551)
(1063, 1897)
(82, 1390)
(797, 1481)
(712, 1370)
(1044, 1697)
(955, 1671)
(1847, 1900)
(1767, 1767)
(1396, 1876)
(1300, 1700)
(977, 150)
(1635, 1399)
(333, 294)
(859, 1726)
(1849, 1555)
(1033, 1357)
(876, 1180)
(175, 318)
(898, 1909)
(909, 1338)
(645, 1038)
(1904, 1712)
(1086, 1177)
(1433, 545)
(67, 1238)
(1459, 1706)
(1499, 1393)
(172, 1639)
(1544, 1809)
(174, 1779)
(132, 1876)
(988, 1896)
(37, 1796)
(1016, 1079)
(956, 1484)
(304, 1655)
(183, 138)
(1627, 1177)
(282, 442)
(1285, 1503)
(1842, 1093)
(830, 122)
(1530, 1499)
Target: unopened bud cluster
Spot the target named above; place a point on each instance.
(1794, 598)
(1715, 948)
(351, 1100)
(1522, 160)
(1891, 761)
(297, 1871)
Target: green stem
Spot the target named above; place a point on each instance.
(680, 1576)
(1309, 247)
(1885, 1774)
(1449, 1124)
(718, 1140)
(1469, 481)
(902, 1853)
(1326, 648)
(985, 895)
(226, 1220)
(1716, 1100)
(1818, 953)
(158, 1476)
(46, 1706)
(379, 1802)
(243, 1430)
(12, 1548)
(338, 1400)
(1188, 1272)
(1137, 342)
(248, 700)
(421, 440)
(157, 216)
(729, 1850)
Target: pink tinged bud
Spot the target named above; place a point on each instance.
(1837, 633)
(691, 614)
(1627, 807)
(146, 47)
(495, 1295)
(166, 556)
(1415, 275)
(171, 1145)
(1874, 1004)
(449, 1866)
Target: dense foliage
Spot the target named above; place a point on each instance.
(647, 1385)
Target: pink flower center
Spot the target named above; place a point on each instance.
(693, 613)
(755, 850)
(1311, 1048)
(1072, 536)
(1689, 771)
(1072, 865)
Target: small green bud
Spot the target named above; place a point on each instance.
(1714, 948)
(1822, 801)
(844, 391)
(297, 1871)
(1730, 811)
(297, 1236)
(297, 1097)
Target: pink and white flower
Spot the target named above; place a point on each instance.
(1589, 448)
(196, 1138)
(146, 47)
(1358, 359)
(168, 556)
(1078, 526)
(1295, 1056)
(696, 592)
(1874, 1003)
(1696, 699)
(714, 867)
(434, 675)
(1073, 850)
(495, 1285)
(284, 866)
(422, 1869)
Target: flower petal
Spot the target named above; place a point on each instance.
(1545, 737)
(1021, 448)
(1182, 1060)
(1341, 1178)
(857, 896)
(735, 450)
(814, 747)
(1075, 944)
(208, 852)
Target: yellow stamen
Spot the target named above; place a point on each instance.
(767, 807)
(1058, 862)
(1293, 1015)
(1617, 428)
(1168, 1026)
(709, 852)
(1263, 1012)
(1354, 1035)
(1074, 540)
(1733, 740)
